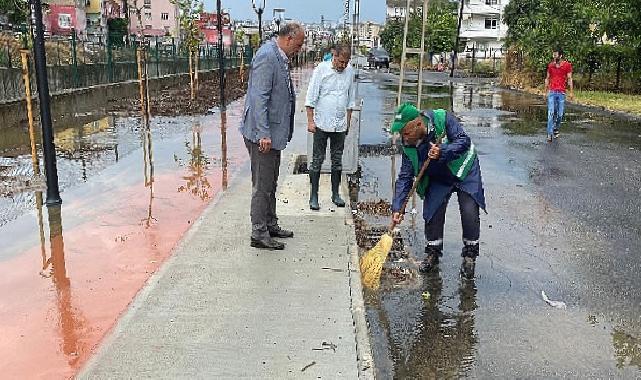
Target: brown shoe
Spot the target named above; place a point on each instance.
(267, 243)
(278, 232)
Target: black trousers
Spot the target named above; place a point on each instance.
(470, 221)
(336, 146)
(265, 168)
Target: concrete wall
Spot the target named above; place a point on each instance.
(90, 99)
(65, 78)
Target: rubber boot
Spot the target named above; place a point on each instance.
(469, 253)
(336, 183)
(314, 178)
(432, 258)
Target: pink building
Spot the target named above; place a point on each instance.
(208, 25)
(158, 18)
(65, 15)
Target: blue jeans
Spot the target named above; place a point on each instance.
(556, 105)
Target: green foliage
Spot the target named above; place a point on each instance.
(595, 34)
(440, 31)
(188, 23)
(117, 30)
(15, 10)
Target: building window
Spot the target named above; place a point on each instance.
(147, 3)
(164, 16)
(147, 26)
(492, 2)
(491, 23)
(64, 21)
(147, 15)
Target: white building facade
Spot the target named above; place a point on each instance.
(482, 27)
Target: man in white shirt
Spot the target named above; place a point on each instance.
(329, 103)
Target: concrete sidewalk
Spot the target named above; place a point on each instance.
(221, 309)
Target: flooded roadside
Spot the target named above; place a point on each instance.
(129, 194)
(548, 227)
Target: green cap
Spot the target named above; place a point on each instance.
(405, 113)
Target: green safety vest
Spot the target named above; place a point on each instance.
(459, 167)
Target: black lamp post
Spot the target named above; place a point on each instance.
(259, 11)
(221, 56)
(48, 147)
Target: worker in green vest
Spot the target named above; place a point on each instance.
(453, 168)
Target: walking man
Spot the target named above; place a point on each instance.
(267, 127)
(559, 75)
(329, 103)
(453, 168)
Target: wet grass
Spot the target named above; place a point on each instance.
(610, 101)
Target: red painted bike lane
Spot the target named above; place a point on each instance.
(69, 273)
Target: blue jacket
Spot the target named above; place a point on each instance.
(442, 181)
(270, 101)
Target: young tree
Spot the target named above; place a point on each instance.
(440, 30)
(192, 37)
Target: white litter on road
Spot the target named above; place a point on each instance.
(557, 304)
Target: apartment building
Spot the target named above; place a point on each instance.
(208, 25)
(66, 15)
(157, 18)
(482, 27)
(96, 21)
(397, 8)
(368, 34)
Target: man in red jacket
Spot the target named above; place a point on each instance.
(559, 75)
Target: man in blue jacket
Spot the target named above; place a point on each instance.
(267, 127)
(453, 168)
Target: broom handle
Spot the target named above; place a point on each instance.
(414, 186)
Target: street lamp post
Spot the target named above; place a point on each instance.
(48, 147)
(259, 11)
(221, 56)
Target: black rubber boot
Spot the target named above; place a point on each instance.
(469, 253)
(432, 258)
(314, 178)
(336, 183)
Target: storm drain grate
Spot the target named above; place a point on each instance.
(300, 165)
(367, 238)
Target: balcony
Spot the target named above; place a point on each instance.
(482, 33)
(482, 8)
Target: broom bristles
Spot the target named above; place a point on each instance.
(373, 260)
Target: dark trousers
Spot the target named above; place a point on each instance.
(264, 167)
(470, 221)
(336, 145)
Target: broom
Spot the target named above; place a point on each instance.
(372, 261)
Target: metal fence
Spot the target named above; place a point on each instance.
(73, 64)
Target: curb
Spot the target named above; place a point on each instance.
(365, 360)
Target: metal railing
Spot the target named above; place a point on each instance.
(74, 64)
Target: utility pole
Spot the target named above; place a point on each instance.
(458, 37)
(221, 57)
(48, 147)
(259, 11)
(125, 8)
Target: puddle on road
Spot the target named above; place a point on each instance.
(414, 336)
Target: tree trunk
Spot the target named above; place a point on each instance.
(191, 75)
(196, 60)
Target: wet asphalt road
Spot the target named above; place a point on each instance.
(564, 218)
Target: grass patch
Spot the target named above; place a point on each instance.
(611, 101)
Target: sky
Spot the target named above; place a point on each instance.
(303, 10)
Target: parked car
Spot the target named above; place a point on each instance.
(378, 58)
